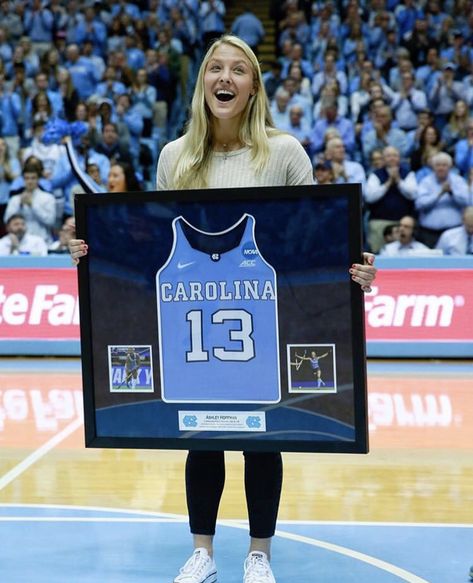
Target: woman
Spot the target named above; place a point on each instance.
(231, 141)
(10, 168)
(429, 145)
(455, 129)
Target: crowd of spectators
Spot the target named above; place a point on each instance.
(378, 92)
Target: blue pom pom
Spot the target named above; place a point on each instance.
(77, 130)
(55, 130)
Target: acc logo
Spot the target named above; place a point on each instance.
(253, 422)
(190, 420)
(249, 250)
(248, 263)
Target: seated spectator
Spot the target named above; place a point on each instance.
(332, 91)
(84, 76)
(456, 127)
(406, 244)
(323, 173)
(296, 57)
(298, 126)
(10, 168)
(18, 241)
(444, 94)
(129, 123)
(49, 154)
(143, 99)
(376, 160)
(272, 79)
(429, 145)
(407, 103)
(345, 171)
(55, 98)
(428, 74)
(459, 240)
(293, 87)
(329, 73)
(69, 95)
(441, 197)
(110, 87)
(37, 206)
(390, 234)
(65, 234)
(110, 145)
(390, 193)
(302, 84)
(464, 150)
(211, 19)
(331, 119)
(18, 184)
(280, 107)
(384, 134)
(360, 99)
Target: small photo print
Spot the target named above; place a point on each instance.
(311, 368)
(130, 369)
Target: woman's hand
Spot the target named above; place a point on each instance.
(77, 248)
(364, 274)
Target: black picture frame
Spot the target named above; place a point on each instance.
(310, 234)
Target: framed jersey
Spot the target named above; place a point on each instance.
(223, 319)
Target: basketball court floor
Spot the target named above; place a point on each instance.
(404, 512)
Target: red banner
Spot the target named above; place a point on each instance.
(38, 304)
(406, 305)
(420, 304)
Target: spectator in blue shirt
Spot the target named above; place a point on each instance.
(383, 134)
(248, 27)
(211, 16)
(459, 240)
(407, 103)
(444, 94)
(280, 107)
(84, 76)
(428, 74)
(329, 73)
(38, 25)
(91, 29)
(464, 150)
(10, 111)
(331, 119)
(441, 198)
(298, 126)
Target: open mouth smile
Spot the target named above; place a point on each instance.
(224, 95)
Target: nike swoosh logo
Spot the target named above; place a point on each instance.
(182, 265)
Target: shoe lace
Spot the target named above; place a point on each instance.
(256, 567)
(195, 564)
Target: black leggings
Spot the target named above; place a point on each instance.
(205, 478)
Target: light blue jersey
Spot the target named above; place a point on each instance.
(314, 363)
(218, 324)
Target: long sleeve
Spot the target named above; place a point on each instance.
(375, 190)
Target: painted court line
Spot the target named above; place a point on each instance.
(39, 453)
(373, 561)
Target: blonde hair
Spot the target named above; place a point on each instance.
(191, 170)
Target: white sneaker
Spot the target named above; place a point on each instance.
(257, 569)
(200, 568)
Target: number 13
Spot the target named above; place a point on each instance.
(243, 335)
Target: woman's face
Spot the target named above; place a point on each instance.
(116, 179)
(430, 136)
(460, 108)
(228, 82)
